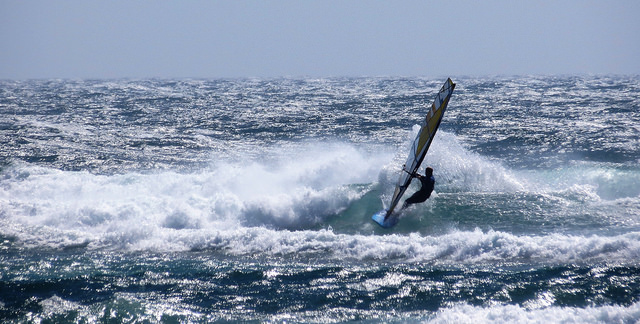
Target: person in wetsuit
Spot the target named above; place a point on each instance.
(428, 182)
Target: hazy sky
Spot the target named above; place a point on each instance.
(216, 39)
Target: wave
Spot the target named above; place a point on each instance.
(516, 314)
(461, 313)
(455, 247)
(317, 198)
(55, 307)
(298, 188)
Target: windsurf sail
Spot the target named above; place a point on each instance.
(421, 144)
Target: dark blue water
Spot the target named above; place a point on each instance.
(250, 200)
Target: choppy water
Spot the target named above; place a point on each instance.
(250, 199)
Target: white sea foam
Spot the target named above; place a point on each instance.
(456, 247)
(458, 169)
(275, 208)
(515, 314)
(294, 191)
(459, 313)
(462, 170)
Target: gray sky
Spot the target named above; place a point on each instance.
(215, 39)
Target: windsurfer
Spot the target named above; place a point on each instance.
(428, 182)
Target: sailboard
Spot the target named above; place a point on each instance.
(386, 218)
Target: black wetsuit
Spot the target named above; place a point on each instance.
(424, 193)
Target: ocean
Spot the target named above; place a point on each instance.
(196, 200)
